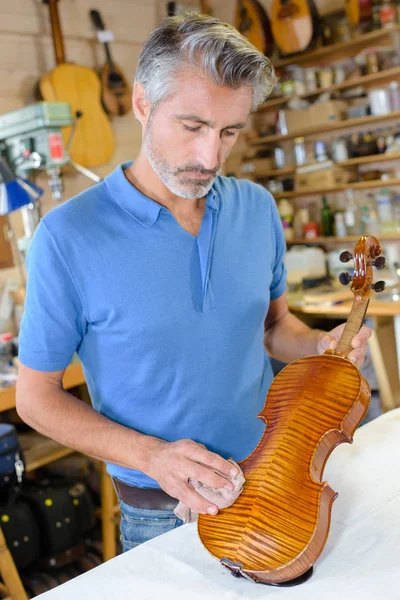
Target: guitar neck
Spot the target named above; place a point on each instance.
(56, 32)
(108, 56)
(353, 325)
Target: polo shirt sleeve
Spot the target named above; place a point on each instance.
(278, 284)
(52, 325)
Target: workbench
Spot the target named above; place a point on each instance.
(359, 562)
(384, 343)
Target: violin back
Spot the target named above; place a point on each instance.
(279, 525)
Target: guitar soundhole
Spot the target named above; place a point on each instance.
(115, 81)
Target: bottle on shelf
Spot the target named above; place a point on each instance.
(285, 209)
(384, 203)
(340, 227)
(380, 141)
(326, 218)
(300, 154)
(300, 219)
(388, 14)
(351, 214)
(396, 213)
(369, 217)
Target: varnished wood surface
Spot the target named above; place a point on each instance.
(93, 142)
(279, 525)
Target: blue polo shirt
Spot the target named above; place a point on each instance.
(168, 326)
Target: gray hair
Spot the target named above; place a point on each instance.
(217, 49)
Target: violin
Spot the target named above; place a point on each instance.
(279, 525)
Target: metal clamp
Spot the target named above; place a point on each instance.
(236, 569)
(19, 467)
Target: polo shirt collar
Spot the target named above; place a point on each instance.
(141, 207)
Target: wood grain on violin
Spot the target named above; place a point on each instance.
(279, 525)
(93, 143)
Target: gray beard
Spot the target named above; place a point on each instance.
(174, 179)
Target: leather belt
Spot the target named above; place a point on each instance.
(151, 498)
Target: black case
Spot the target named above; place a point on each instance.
(63, 512)
(10, 452)
(21, 532)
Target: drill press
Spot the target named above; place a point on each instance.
(31, 140)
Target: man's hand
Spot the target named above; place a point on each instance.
(359, 343)
(172, 463)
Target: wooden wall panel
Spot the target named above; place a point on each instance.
(26, 51)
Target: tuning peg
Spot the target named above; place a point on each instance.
(345, 256)
(345, 278)
(379, 262)
(379, 286)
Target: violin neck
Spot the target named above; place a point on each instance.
(353, 325)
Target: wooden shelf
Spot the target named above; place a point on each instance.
(358, 185)
(382, 77)
(40, 450)
(271, 173)
(368, 160)
(340, 50)
(274, 103)
(351, 162)
(334, 126)
(341, 240)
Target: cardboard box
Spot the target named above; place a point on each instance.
(326, 112)
(298, 120)
(326, 175)
(256, 167)
(315, 115)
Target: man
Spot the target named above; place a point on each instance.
(161, 278)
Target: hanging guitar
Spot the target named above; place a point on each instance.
(279, 525)
(116, 92)
(358, 11)
(294, 25)
(252, 21)
(93, 140)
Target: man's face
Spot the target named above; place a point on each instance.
(190, 134)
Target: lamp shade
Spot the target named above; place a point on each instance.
(15, 192)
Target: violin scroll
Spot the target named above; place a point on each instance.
(367, 254)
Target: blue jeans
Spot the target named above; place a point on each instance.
(139, 525)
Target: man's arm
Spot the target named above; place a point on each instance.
(47, 407)
(287, 338)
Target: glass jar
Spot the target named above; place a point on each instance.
(340, 73)
(287, 85)
(299, 80)
(388, 14)
(342, 31)
(310, 76)
(325, 77)
(394, 95)
(300, 155)
(339, 150)
(279, 157)
(320, 152)
(372, 62)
